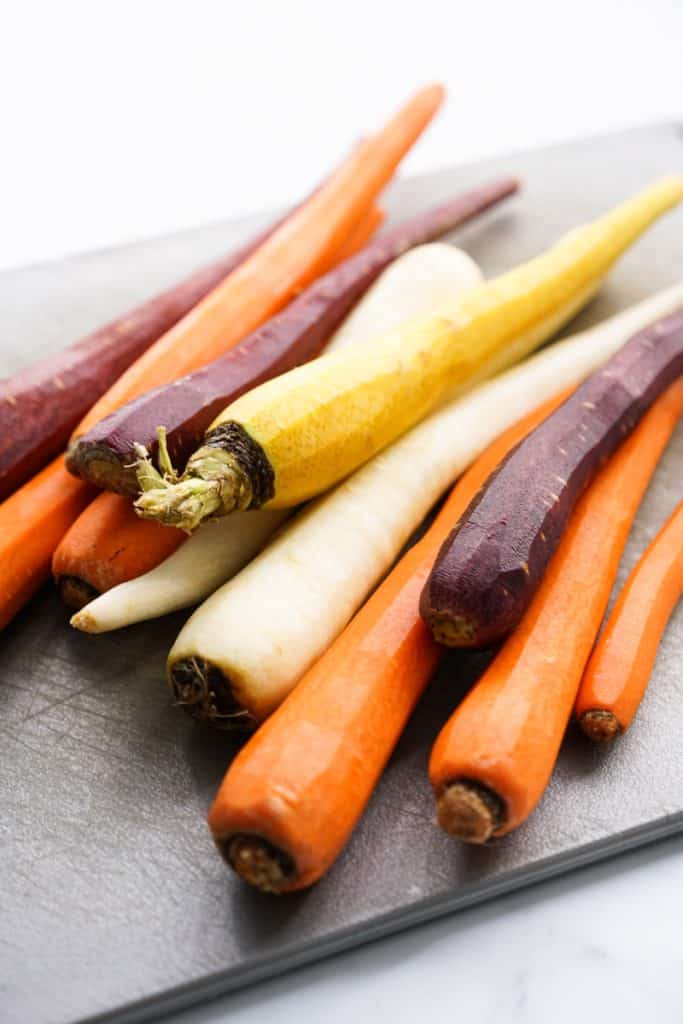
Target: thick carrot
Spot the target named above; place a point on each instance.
(294, 794)
(621, 664)
(289, 259)
(494, 757)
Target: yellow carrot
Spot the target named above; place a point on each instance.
(295, 436)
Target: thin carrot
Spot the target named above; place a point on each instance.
(294, 794)
(290, 258)
(621, 664)
(494, 757)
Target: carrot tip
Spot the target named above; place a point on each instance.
(451, 631)
(600, 726)
(75, 592)
(204, 692)
(469, 811)
(257, 862)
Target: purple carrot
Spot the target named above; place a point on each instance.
(188, 406)
(491, 565)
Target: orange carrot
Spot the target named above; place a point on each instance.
(27, 539)
(289, 259)
(105, 547)
(621, 664)
(494, 757)
(295, 792)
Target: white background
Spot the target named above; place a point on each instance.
(125, 119)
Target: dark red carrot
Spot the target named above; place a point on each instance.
(41, 405)
(104, 455)
(489, 569)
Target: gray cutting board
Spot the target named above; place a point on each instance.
(112, 899)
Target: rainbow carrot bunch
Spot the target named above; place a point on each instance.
(267, 437)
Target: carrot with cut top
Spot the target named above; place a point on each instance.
(618, 672)
(295, 792)
(494, 757)
(289, 259)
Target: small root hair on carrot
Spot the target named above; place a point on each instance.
(205, 693)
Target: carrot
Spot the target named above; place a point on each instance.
(290, 258)
(104, 547)
(295, 792)
(296, 435)
(494, 757)
(619, 669)
(490, 567)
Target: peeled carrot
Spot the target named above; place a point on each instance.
(294, 793)
(494, 757)
(621, 664)
(291, 257)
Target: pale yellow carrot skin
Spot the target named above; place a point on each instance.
(319, 422)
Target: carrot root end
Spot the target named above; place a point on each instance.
(469, 811)
(599, 725)
(258, 862)
(204, 692)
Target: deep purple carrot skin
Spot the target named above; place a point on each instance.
(41, 405)
(188, 406)
(490, 566)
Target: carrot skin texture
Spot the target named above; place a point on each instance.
(506, 734)
(41, 405)
(304, 779)
(619, 669)
(188, 406)
(488, 570)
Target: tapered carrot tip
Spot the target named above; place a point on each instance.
(600, 726)
(469, 811)
(257, 862)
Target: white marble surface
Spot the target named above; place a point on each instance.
(129, 118)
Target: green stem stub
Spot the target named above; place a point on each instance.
(230, 471)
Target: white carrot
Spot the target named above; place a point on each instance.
(246, 647)
(423, 277)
